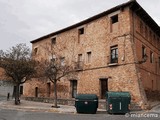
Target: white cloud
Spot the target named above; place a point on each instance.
(25, 20)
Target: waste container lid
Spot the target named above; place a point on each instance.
(86, 96)
(117, 94)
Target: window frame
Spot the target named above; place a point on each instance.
(114, 52)
(144, 51)
(151, 57)
(141, 27)
(89, 57)
(146, 32)
(114, 19)
(79, 58)
(81, 31)
(74, 84)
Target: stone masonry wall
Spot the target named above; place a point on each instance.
(97, 39)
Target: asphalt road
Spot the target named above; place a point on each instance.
(6, 114)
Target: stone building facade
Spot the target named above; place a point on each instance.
(117, 50)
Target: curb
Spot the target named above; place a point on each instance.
(11, 106)
(36, 109)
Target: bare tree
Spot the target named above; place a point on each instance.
(18, 66)
(55, 70)
(56, 66)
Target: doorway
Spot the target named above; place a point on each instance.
(48, 89)
(103, 87)
(36, 92)
(74, 88)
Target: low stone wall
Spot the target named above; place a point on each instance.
(102, 104)
(51, 100)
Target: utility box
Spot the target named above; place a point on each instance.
(118, 102)
(86, 103)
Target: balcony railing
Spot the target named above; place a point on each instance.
(112, 61)
(79, 65)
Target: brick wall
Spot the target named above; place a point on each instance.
(98, 38)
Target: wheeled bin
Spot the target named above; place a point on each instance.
(86, 103)
(118, 102)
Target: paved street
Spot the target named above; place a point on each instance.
(29, 110)
(6, 114)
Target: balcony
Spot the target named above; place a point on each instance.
(79, 65)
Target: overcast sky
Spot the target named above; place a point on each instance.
(24, 20)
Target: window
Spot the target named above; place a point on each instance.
(48, 89)
(74, 88)
(36, 91)
(114, 19)
(151, 57)
(114, 54)
(114, 23)
(143, 51)
(154, 39)
(35, 51)
(62, 60)
(157, 42)
(146, 32)
(79, 63)
(150, 35)
(53, 40)
(88, 57)
(141, 27)
(81, 31)
(79, 57)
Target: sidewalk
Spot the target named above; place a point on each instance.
(39, 106)
(36, 106)
(46, 107)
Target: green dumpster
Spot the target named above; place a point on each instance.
(118, 102)
(86, 103)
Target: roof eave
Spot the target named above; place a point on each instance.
(132, 4)
(84, 21)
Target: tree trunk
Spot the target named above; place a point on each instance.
(55, 95)
(17, 100)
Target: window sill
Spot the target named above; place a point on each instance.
(112, 64)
